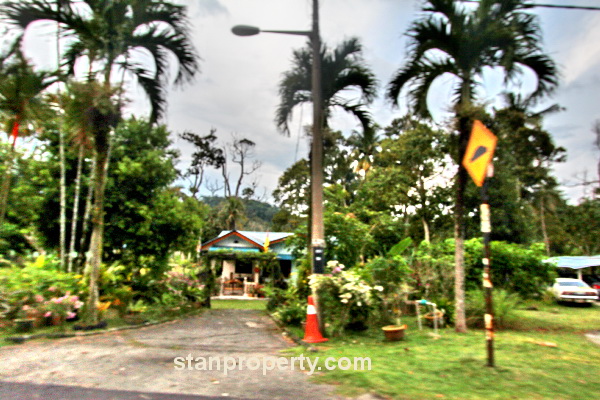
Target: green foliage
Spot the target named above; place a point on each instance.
(145, 219)
(452, 366)
(505, 305)
(400, 247)
(346, 300)
(287, 305)
(582, 223)
(433, 266)
(31, 182)
(515, 268)
(343, 68)
(388, 273)
(12, 241)
(258, 215)
(21, 91)
(35, 283)
(293, 189)
(303, 271)
(347, 238)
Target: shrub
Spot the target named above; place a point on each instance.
(291, 313)
(433, 266)
(289, 305)
(388, 272)
(504, 305)
(514, 267)
(34, 284)
(347, 301)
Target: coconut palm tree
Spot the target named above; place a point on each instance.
(342, 68)
(460, 40)
(21, 102)
(113, 36)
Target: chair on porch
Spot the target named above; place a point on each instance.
(233, 287)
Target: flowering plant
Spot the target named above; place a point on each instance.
(64, 306)
(348, 295)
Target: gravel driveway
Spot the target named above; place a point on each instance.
(143, 359)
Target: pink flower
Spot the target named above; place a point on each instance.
(71, 314)
(52, 289)
(25, 307)
(48, 314)
(39, 298)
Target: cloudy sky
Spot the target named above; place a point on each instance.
(236, 93)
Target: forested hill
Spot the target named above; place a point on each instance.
(258, 213)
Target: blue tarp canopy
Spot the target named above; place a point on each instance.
(575, 262)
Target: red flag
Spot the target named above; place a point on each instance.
(15, 132)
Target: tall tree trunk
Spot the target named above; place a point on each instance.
(102, 124)
(86, 214)
(459, 230)
(426, 229)
(63, 200)
(97, 227)
(75, 217)
(61, 146)
(543, 222)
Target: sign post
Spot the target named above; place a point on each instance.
(478, 162)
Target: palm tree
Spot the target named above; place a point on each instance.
(342, 69)
(113, 35)
(460, 40)
(21, 101)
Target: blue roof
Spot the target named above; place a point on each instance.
(575, 262)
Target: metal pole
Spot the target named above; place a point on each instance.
(486, 229)
(317, 231)
(317, 228)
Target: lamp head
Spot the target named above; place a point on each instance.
(245, 30)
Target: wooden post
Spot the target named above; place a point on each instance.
(486, 229)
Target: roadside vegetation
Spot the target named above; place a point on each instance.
(541, 353)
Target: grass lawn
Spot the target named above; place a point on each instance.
(238, 304)
(454, 365)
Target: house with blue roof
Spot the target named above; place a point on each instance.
(240, 256)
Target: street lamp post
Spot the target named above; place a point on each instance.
(317, 237)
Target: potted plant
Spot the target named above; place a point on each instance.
(395, 332)
(392, 273)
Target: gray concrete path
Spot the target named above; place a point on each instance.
(143, 360)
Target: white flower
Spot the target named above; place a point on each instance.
(378, 288)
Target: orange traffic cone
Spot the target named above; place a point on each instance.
(311, 332)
